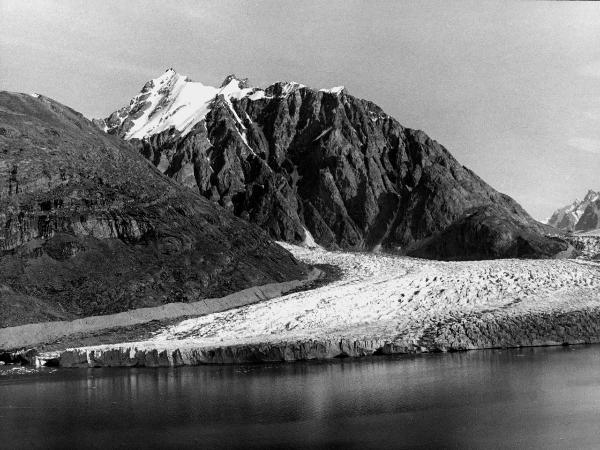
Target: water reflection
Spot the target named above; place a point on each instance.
(535, 397)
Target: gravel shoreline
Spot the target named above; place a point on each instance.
(140, 323)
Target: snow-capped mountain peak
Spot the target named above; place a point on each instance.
(568, 217)
(266, 154)
(334, 90)
(591, 196)
(170, 101)
(173, 102)
(283, 88)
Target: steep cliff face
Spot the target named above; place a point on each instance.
(296, 160)
(590, 219)
(88, 226)
(581, 215)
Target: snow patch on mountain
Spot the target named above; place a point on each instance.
(334, 90)
(309, 240)
(260, 94)
(290, 86)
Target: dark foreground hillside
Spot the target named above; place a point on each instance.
(89, 226)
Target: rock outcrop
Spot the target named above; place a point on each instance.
(89, 227)
(489, 232)
(292, 159)
(579, 216)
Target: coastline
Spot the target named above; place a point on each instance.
(380, 305)
(528, 331)
(44, 333)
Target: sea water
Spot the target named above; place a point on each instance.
(527, 398)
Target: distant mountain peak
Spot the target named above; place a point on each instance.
(591, 196)
(580, 215)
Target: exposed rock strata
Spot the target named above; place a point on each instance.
(88, 226)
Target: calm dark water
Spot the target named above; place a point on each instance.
(533, 398)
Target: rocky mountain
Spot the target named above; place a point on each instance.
(315, 164)
(581, 215)
(89, 226)
(489, 232)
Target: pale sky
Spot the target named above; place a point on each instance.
(512, 89)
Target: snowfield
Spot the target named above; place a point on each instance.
(402, 301)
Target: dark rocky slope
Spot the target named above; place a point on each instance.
(88, 226)
(489, 232)
(590, 219)
(292, 159)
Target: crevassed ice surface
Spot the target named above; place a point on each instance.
(384, 297)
